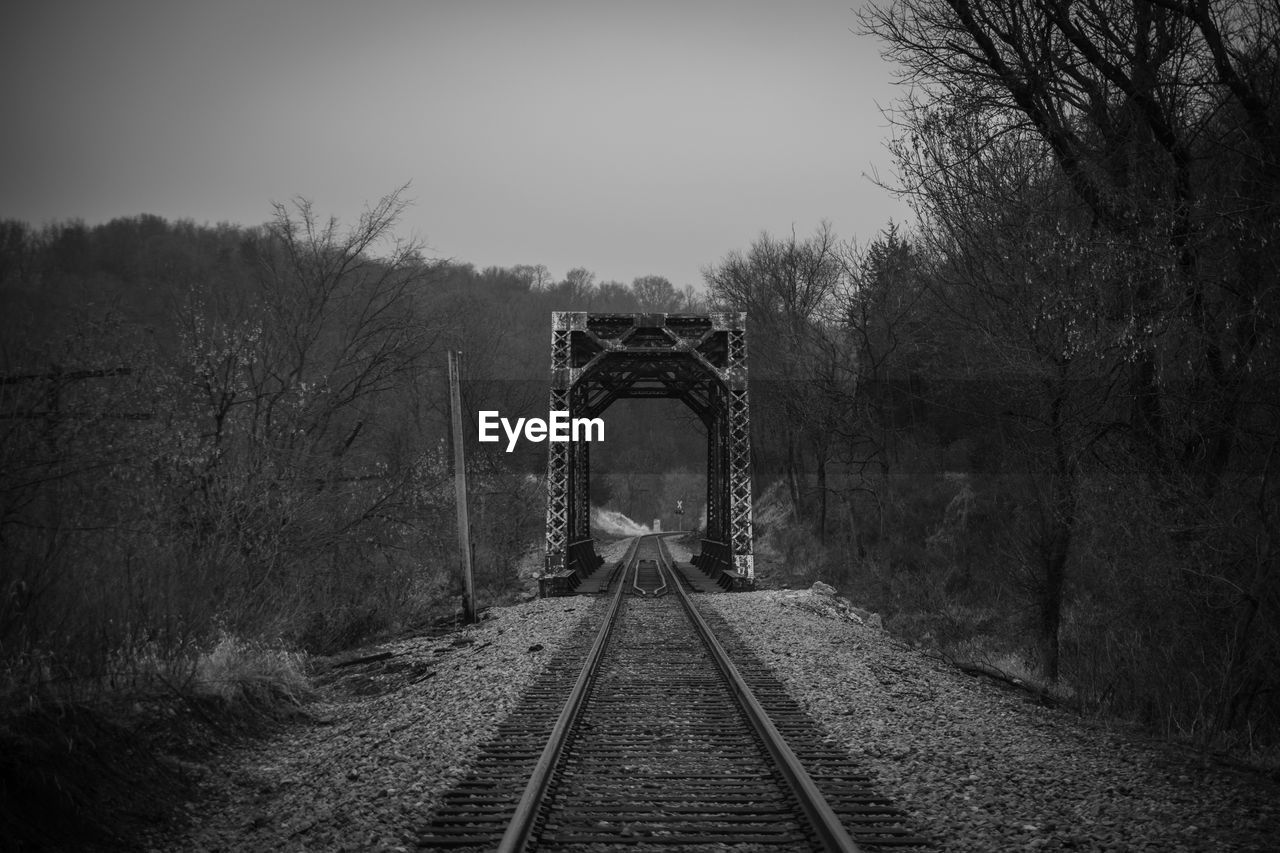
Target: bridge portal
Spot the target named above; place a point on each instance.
(700, 359)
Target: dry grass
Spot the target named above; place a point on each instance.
(92, 764)
(259, 673)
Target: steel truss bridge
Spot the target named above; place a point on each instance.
(700, 359)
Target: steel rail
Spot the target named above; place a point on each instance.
(520, 830)
(635, 581)
(826, 825)
(662, 576)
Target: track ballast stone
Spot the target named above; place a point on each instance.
(982, 769)
(976, 767)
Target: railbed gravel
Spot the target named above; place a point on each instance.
(387, 740)
(982, 768)
(978, 767)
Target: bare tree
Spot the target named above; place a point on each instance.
(1160, 116)
(787, 289)
(655, 293)
(303, 385)
(1101, 183)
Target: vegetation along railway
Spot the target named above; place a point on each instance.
(672, 737)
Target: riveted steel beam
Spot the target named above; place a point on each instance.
(700, 359)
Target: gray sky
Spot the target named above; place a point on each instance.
(630, 138)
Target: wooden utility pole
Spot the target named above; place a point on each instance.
(460, 489)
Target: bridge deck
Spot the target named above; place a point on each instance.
(598, 582)
(697, 580)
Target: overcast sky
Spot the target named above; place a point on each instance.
(630, 138)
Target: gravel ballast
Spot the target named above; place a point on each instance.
(389, 739)
(977, 766)
(983, 768)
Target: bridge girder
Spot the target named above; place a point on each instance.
(700, 359)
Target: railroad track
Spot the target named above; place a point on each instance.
(663, 743)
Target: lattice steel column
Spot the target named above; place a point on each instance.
(711, 477)
(580, 489)
(739, 453)
(717, 506)
(558, 469)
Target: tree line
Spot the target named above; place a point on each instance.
(1042, 428)
(209, 429)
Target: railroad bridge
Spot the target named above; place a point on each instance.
(700, 359)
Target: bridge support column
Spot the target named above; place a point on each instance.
(717, 506)
(739, 453)
(558, 458)
(739, 491)
(581, 516)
